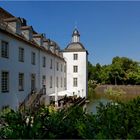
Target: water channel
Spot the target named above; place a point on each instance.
(94, 103)
(126, 93)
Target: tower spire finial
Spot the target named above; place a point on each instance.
(75, 35)
(75, 25)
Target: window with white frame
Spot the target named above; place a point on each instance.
(4, 49)
(21, 81)
(75, 69)
(44, 80)
(50, 81)
(57, 82)
(64, 82)
(61, 67)
(21, 55)
(61, 81)
(44, 61)
(51, 64)
(57, 66)
(33, 58)
(75, 56)
(75, 82)
(64, 68)
(5, 81)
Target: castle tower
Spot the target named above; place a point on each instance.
(76, 57)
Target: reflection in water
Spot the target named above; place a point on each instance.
(92, 105)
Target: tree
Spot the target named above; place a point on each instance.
(123, 70)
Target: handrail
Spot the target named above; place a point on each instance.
(82, 102)
(78, 102)
(26, 99)
(37, 99)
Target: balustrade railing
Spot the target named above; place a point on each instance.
(35, 102)
(23, 104)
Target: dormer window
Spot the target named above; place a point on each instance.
(52, 49)
(14, 24)
(27, 32)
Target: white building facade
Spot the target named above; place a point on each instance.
(76, 57)
(31, 62)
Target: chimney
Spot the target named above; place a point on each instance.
(27, 32)
(14, 24)
(38, 38)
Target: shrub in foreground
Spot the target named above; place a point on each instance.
(114, 121)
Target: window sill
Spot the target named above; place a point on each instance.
(5, 57)
(21, 61)
(21, 90)
(5, 91)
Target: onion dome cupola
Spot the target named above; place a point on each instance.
(75, 36)
(75, 45)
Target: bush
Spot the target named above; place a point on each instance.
(114, 121)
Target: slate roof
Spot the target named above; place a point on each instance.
(75, 46)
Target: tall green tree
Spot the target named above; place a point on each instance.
(123, 70)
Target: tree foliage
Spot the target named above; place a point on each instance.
(122, 70)
(114, 121)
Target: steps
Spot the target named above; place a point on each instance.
(32, 101)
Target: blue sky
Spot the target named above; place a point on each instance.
(107, 29)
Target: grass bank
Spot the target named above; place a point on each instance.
(116, 93)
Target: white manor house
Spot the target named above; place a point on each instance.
(31, 64)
